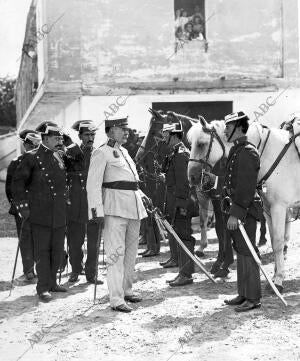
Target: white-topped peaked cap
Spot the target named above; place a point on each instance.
(172, 127)
(82, 125)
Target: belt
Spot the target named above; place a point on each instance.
(124, 185)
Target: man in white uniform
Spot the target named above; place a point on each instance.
(115, 203)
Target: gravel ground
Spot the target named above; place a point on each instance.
(189, 323)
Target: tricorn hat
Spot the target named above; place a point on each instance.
(234, 117)
(49, 128)
(84, 125)
(121, 122)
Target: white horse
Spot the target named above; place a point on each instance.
(281, 188)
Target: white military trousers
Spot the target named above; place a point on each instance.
(121, 239)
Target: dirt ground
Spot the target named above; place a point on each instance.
(189, 323)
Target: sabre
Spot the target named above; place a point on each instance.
(97, 259)
(186, 250)
(160, 226)
(258, 261)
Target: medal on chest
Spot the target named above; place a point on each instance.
(116, 154)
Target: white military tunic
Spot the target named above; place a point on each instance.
(122, 211)
(110, 164)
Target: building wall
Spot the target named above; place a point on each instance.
(100, 41)
(269, 108)
(97, 50)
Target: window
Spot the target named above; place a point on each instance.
(189, 23)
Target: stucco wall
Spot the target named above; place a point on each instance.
(108, 48)
(270, 108)
(100, 41)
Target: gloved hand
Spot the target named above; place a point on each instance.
(232, 223)
(147, 201)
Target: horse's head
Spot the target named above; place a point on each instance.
(208, 145)
(154, 143)
(154, 136)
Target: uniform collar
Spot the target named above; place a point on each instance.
(46, 149)
(241, 140)
(113, 143)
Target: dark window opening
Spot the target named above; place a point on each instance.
(189, 23)
(210, 110)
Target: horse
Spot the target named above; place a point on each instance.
(278, 175)
(150, 157)
(132, 143)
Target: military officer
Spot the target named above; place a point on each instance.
(115, 202)
(30, 140)
(40, 194)
(241, 202)
(178, 204)
(78, 225)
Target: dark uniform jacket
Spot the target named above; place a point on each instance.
(241, 178)
(45, 179)
(177, 184)
(219, 170)
(77, 176)
(9, 183)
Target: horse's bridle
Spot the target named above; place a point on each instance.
(261, 139)
(279, 157)
(213, 135)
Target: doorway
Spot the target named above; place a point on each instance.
(212, 110)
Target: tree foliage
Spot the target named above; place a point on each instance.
(7, 102)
